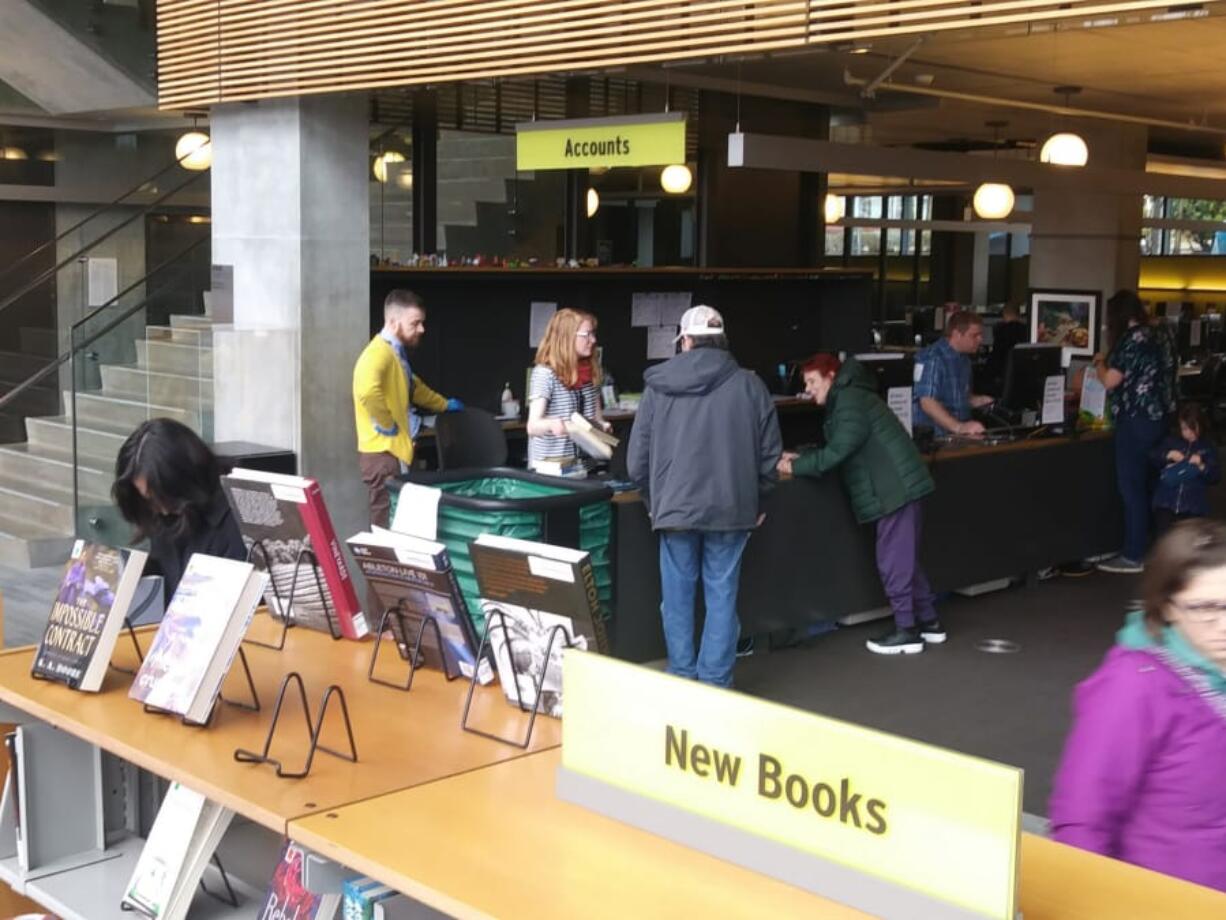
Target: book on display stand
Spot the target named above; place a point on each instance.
(289, 533)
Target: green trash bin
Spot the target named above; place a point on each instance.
(528, 506)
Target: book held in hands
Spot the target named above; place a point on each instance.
(415, 577)
(285, 515)
(199, 636)
(527, 591)
(94, 596)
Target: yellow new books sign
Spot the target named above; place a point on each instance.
(933, 821)
(634, 140)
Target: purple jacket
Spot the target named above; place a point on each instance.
(1143, 778)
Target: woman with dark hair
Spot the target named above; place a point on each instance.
(1188, 464)
(1133, 373)
(1141, 776)
(885, 479)
(168, 486)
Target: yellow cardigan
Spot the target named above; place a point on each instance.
(381, 396)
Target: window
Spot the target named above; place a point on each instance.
(834, 241)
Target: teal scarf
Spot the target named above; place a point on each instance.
(1136, 635)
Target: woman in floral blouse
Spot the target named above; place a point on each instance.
(1133, 373)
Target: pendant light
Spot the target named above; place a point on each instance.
(1065, 148)
(834, 208)
(194, 150)
(593, 202)
(676, 179)
(383, 161)
(994, 200)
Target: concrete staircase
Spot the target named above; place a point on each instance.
(172, 378)
(473, 170)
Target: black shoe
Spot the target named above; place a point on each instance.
(744, 647)
(897, 642)
(932, 632)
(1121, 565)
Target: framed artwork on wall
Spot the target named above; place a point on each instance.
(1065, 318)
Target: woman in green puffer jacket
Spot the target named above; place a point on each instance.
(885, 479)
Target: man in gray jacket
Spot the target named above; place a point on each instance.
(703, 451)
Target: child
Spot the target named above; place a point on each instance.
(1189, 465)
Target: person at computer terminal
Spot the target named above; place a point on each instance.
(885, 478)
(942, 397)
(1007, 335)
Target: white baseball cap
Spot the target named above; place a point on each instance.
(700, 320)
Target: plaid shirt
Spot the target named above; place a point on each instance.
(944, 375)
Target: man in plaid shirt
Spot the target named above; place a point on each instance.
(942, 393)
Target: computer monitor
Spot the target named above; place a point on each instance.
(892, 369)
(1028, 367)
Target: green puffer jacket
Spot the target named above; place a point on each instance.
(882, 470)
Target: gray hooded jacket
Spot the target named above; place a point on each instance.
(705, 443)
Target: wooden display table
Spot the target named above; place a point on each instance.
(498, 843)
(402, 738)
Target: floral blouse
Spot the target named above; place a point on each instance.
(1143, 394)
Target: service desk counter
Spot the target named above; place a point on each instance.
(998, 511)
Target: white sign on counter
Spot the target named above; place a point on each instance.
(1053, 400)
(899, 400)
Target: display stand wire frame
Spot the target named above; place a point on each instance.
(498, 618)
(416, 657)
(314, 729)
(286, 605)
(253, 706)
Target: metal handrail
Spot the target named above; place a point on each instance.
(51, 272)
(75, 347)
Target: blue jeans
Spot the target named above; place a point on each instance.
(716, 556)
(1135, 437)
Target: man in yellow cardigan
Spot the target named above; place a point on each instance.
(384, 388)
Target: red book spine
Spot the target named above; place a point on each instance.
(332, 564)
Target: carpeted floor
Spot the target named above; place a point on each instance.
(1012, 708)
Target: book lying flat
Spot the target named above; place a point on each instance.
(590, 439)
(415, 576)
(288, 897)
(186, 831)
(94, 596)
(527, 591)
(284, 515)
(199, 636)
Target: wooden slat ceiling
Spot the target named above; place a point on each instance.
(212, 51)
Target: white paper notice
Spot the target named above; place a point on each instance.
(417, 511)
(645, 309)
(1093, 395)
(673, 305)
(661, 342)
(899, 401)
(1194, 333)
(102, 281)
(542, 313)
(938, 319)
(1053, 400)
(220, 305)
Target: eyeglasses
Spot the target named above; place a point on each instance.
(1204, 613)
(586, 335)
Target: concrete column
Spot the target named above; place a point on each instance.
(1091, 240)
(290, 214)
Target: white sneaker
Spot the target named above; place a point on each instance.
(1120, 565)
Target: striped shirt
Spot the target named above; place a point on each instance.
(560, 402)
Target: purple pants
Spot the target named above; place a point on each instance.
(906, 587)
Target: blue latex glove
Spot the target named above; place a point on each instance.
(387, 432)
(454, 405)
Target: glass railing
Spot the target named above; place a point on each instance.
(146, 353)
(123, 33)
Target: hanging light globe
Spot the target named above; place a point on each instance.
(676, 179)
(1065, 149)
(993, 201)
(383, 160)
(194, 151)
(835, 208)
(593, 202)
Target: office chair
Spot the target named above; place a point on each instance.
(471, 438)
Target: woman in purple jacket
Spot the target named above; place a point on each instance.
(1142, 778)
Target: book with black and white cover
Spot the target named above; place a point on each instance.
(199, 636)
(95, 594)
(285, 515)
(186, 831)
(529, 589)
(416, 577)
(288, 897)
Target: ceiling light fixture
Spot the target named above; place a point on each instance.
(383, 160)
(13, 153)
(194, 151)
(593, 202)
(994, 200)
(1065, 148)
(676, 179)
(834, 208)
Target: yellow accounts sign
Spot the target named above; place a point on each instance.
(942, 824)
(633, 140)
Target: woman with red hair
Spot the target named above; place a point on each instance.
(885, 479)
